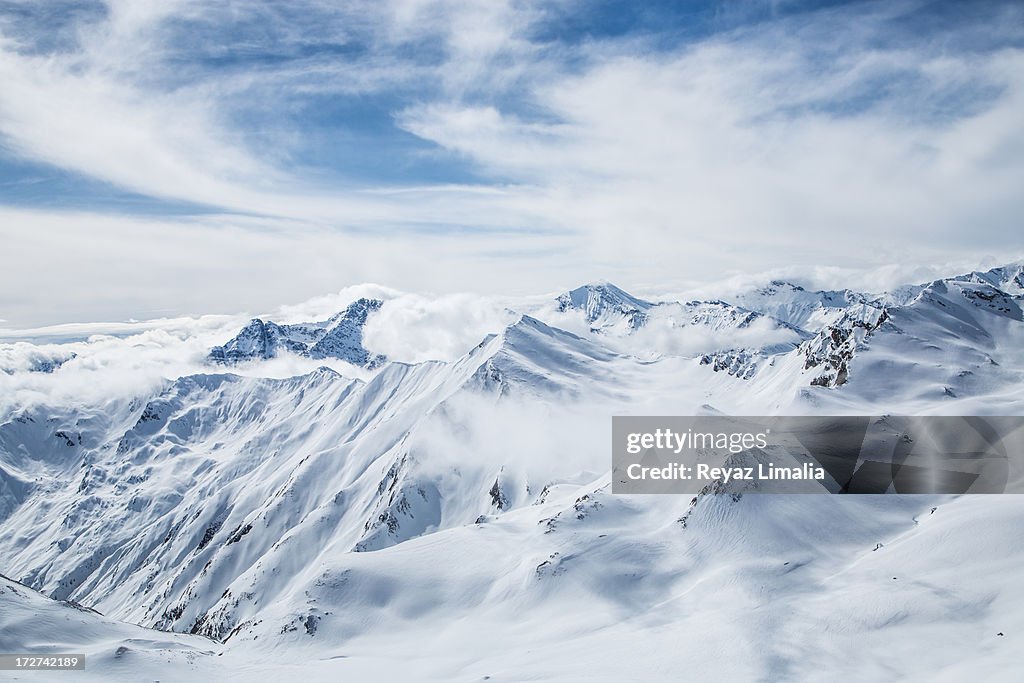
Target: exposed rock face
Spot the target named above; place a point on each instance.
(832, 349)
(741, 363)
(339, 337)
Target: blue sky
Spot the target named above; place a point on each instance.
(191, 157)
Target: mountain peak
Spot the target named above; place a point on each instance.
(603, 304)
(797, 306)
(1008, 278)
(340, 336)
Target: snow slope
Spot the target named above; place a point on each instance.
(452, 520)
(621, 591)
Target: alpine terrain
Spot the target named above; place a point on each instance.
(452, 519)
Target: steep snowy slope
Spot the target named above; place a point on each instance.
(949, 345)
(169, 511)
(151, 517)
(956, 339)
(534, 357)
(606, 306)
(607, 588)
(618, 589)
(437, 520)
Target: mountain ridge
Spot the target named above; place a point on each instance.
(237, 507)
(340, 337)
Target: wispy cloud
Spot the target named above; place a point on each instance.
(450, 145)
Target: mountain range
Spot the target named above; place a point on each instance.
(433, 519)
(340, 336)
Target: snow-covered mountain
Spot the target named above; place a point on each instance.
(953, 334)
(606, 306)
(1008, 279)
(797, 306)
(724, 336)
(322, 524)
(609, 309)
(25, 358)
(341, 337)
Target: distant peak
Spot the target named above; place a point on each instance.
(605, 302)
(1008, 278)
(607, 289)
(340, 336)
(784, 284)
